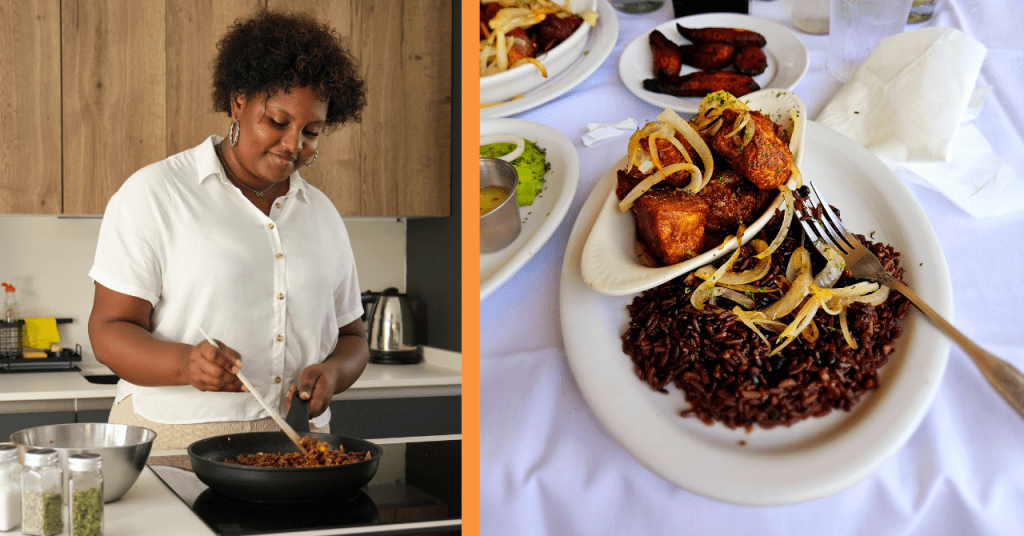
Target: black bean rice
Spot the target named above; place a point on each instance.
(723, 368)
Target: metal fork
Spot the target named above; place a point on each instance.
(828, 231)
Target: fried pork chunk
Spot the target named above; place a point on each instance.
(732, 200)
(670, 223)
(764, 159)
(522, 46)
(555, 29)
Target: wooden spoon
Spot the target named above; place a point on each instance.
(288, 430)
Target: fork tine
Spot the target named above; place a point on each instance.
(813, 226)
(831, 225)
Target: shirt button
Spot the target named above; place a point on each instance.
(270, 226)
(279, 256)
(280, 338)
(280, 296)
(277, 379)
(278, 205)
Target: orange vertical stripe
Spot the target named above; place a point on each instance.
(470, 270)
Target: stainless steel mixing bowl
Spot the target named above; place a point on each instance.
(124, 449)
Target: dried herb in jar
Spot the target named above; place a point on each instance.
(42, 513)
(87, 512)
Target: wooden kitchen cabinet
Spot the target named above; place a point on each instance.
(105, 87)
(30, 155)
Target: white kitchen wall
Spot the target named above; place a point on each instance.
(47, 258)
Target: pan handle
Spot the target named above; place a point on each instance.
(298, 414)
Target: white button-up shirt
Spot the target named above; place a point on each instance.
(275, 288)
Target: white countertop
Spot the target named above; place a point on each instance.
(151, 508)
(439, 374)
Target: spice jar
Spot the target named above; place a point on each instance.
(42, 499)
(10, 488)
(85, 494)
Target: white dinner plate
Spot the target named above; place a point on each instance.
(540, 219)
(602, 41)
(812, 458)
(786, 54)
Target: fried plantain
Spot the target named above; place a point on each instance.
(700, 83)
(667, 58)
(750, 60)
(707, 56)
(736, 37)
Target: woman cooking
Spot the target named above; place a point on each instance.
(228, 237)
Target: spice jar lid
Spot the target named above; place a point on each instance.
(8, 452)
(40, 457)
(85, 462)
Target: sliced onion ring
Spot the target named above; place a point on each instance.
(693, 138)
(733, 278)
(797, 290)
(520, 144)
(787, 220)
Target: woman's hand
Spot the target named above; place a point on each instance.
(209, 368)
(317, 384)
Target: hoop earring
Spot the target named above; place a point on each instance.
(313, 161)
(236, 127)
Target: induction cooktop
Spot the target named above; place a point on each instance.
(421, 503)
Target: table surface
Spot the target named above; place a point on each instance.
(546, 462)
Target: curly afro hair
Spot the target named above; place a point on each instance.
(273, 51)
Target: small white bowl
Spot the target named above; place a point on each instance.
(609, 264)
(503, 86)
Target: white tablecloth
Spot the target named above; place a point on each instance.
(548, 467)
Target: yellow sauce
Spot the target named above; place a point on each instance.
(491, 197)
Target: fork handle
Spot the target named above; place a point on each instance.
(1007, 380)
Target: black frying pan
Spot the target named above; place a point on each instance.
(286, 484)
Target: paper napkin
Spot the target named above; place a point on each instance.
(908, 102)
(603, 131)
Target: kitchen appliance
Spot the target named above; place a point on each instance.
(426, 500)
(391, 328)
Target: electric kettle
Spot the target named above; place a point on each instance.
(391, 328)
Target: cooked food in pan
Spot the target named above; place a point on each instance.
(318, 454)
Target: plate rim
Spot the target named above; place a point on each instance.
(689, 105)
(554, 218)
(931, 357)
(600, 44)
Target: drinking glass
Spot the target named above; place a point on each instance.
(920, 11)
(637, 7)
(811, 16)
(856, 27)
